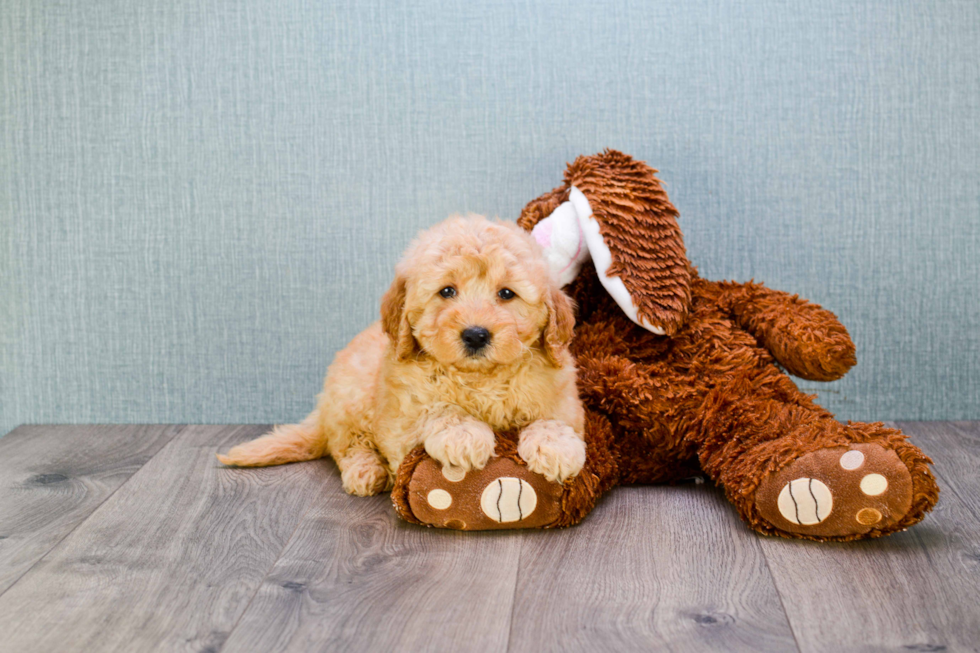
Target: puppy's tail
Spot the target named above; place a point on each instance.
(287, 443)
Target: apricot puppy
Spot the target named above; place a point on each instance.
(473, 338)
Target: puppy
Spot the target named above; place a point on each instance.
(473, 338)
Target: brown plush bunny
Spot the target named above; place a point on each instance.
(682, 376)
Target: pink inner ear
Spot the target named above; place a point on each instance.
(543, 233)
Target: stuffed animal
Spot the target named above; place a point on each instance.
(682, 376)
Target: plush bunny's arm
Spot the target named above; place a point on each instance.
(809, 341)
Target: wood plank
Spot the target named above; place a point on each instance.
(955, 448)
(171, 560)
(53, 477)
(914, 591)
(652, 568)
(357, 578)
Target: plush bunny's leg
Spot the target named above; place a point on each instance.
(793, 470)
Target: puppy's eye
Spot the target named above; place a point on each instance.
(448, 292)
(506, 294)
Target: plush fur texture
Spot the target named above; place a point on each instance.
(711, 396)
(639, 225)
(410, 380)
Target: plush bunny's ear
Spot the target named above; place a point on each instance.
(617, 213)
(540, 208)
(560, 234)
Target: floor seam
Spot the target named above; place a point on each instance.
(265, 575)
(946, 486)
(782, 603)
(513, 600)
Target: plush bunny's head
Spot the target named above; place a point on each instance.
(613, 210)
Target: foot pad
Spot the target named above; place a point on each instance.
(504, 494)
(508, 499)
(838, 491)
(805, 501)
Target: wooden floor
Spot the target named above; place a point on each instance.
(132, 538)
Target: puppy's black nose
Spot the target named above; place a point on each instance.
(475, 338)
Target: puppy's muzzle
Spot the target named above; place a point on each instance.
(475, 339)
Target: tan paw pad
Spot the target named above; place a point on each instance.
(805, 501)
(852, 460)
(508, 499)
(439, 499)
(868, 516)
(874, 484)
(454, 474)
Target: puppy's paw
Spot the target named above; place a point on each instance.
(553, 449)
(363, 474)
(467, 445)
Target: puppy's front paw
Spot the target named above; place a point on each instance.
(467, 445)
(553, 449)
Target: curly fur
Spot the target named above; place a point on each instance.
(409, 381)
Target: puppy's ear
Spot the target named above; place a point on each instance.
(394, 322)
(558, 330)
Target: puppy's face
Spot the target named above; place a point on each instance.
(475, 294)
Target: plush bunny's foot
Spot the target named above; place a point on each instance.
(504, 494)
(838, 492)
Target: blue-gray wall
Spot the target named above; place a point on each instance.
(201, 201)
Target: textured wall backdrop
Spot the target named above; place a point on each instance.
(202, 200)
